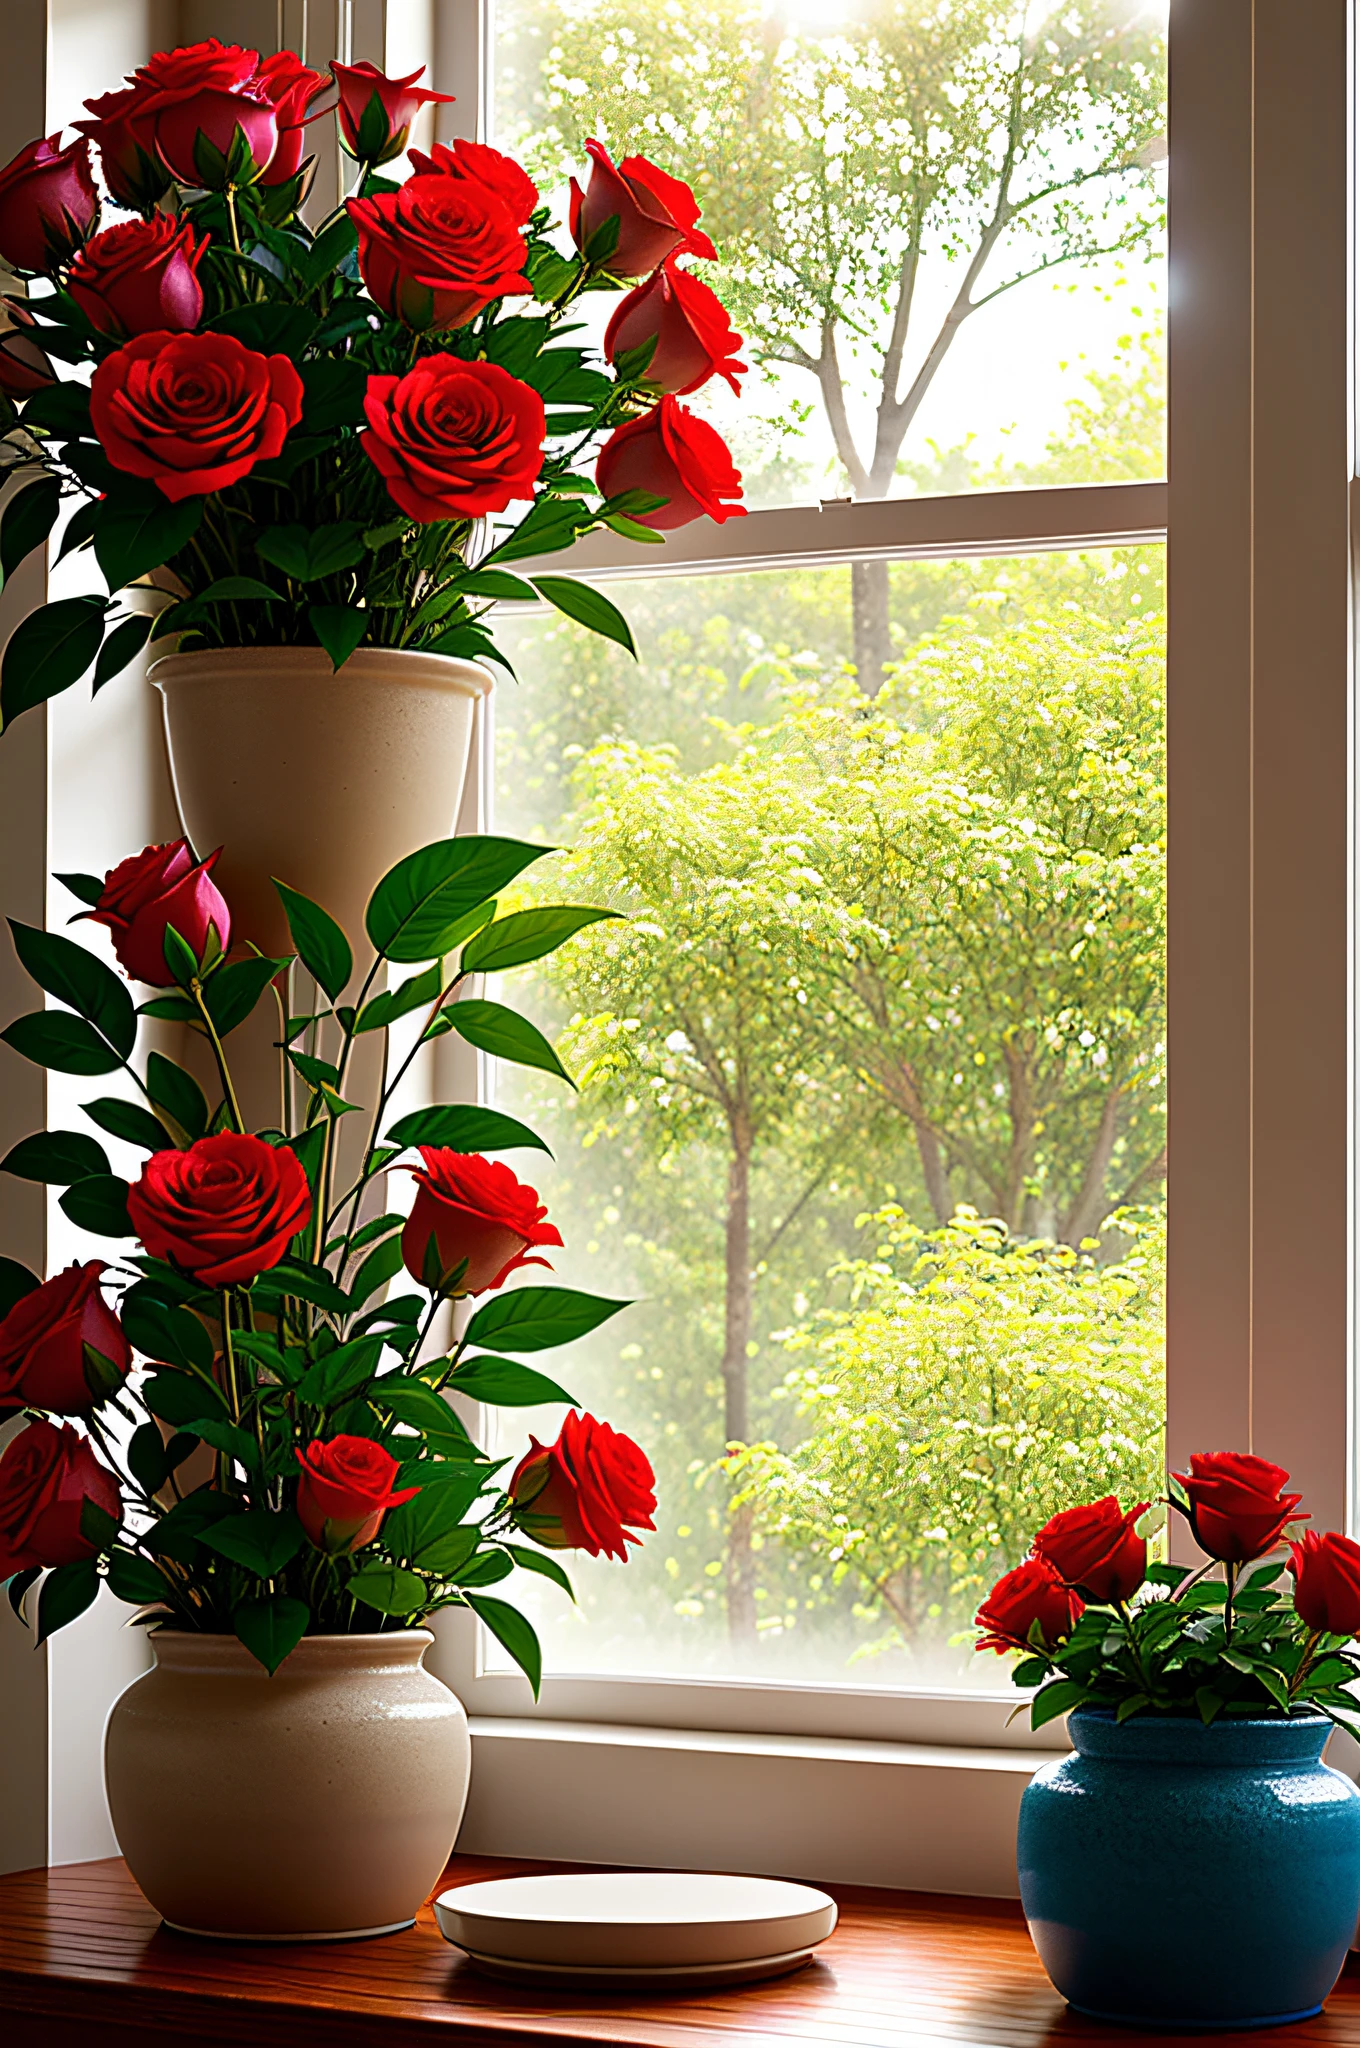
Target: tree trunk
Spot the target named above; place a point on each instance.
(872, 630)
(900, 1087)
(741, 1603)
(1091, 1207)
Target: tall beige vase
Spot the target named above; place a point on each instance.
(315, 1805)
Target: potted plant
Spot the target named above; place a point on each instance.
(234, 1429)
(329, 446)
(1199, 1699)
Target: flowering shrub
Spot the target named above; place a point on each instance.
(282, 1460)
(302, 433)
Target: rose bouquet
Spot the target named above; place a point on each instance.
(307, 434)
(1095, 1624)
(284, 1459)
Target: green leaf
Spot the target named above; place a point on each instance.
(305, 1283)
(85, 888)
(488, 1568)
(506, 1034)
(553, 524)
(146, 1459)
(526, 935)
(503, 1383)
(420, 901)
(261, 1541)
(268, 328)
(1209, 1703)
(462, 1127)
(496, 583)
(430, 1528)
(169, 1335)
(321, 946)
(512, 1632)
(414, 994)
(333, 396)
(1132, 1705)
(61, 410)
(54, 1038)
(589, 608)
(340, 1372)
(172, 1089)
(49, 651)
(339, 628)
(99, 1203)
(123, 645)
(127, 544)
(17, 1588)
(307, 553)
(540, 1562)
(81, 527)
(15, 1282)
(381, 1265)
(228, 589)
(228, 1438)
(28, 519)
(66, 1593)
(128, 1121)
(134, 1580)
(74, 976)
(414, 1402)
(271, 1627)
(182, 1399)
(388, 1588)
(536, 1318)
(329, 251)
(1051, 1700)
(56, 1157)
(233, 991)
(97, 1525)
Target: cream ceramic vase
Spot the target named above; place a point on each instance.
(318, 1804)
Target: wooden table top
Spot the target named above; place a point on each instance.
(84, 1959)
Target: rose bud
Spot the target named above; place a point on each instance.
(454, 440)
(437, 251)
(655, 212)
(471, 1209)
(133, 172)
(581, 1492)
(48, 203)
(376, 111)
(161, 886)
(193, 412)
(290, 87)
(1032, 1592)
(139, 276)
(224, 1210)
(1327, 1582)
(62, 1347)
(1096, 1550)
(486, 166)
(216, 139)
(24, 368)
(694, 337)
(46, 1476)
(677, 456)
(344, 1492)
(1236, 1504)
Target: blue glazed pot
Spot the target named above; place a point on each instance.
(1181, 1876)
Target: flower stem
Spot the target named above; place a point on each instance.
(229, 1093)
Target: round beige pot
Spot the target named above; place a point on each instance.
(322, 779)
(317, 1804)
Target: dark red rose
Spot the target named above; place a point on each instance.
(140, 275)
(46, 1476)
(48, 204)
(195, 101)
(290, 87)
(1238, 1508)
(222, 1210)
(694, 337)
(376, 111)
(24, 368)
(192, 411)
(474, 1209)
(438, 250)
(1096, 1549)
(484, 166)
(1327, 1582)
(656, 213)
(1032, 1592)
(582, 1492)
(133, 172)
(46, 1341)
(344, 1492)
(160, 886)
(453, 440)
(677, 456)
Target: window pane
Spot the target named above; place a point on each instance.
(936, 226)
(871, 1109)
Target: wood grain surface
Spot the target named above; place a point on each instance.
(84, 1959)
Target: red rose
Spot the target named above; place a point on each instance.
(24, 368)
(677, 456)
(484, 166)
(438, 250)
(48, 204)
(474, 1209)
(290, 87)
(223, 1210)
(1032, 1592)
(192, 411)
(581, 1492)
(195, 101)
(1238, 1508)
(376, 111)
(1096, 1549)
(45, 1341)
(694, 337)
(140, 275)
(160, 886)
(133, 172)
(1327, 1582)
(453, 440)
(655, 212)
(46, 1476)
(195, 67)
(344, 1492)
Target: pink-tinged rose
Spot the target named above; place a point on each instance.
(290, 86)
(483, 165)
(1032, 1592)
(345, 1491)
(125, 139)
(473, 1209)
(156, 888)
(46, 1476)
(1327, 1582)
(48, 203)
(62, 1347)
(438, 250)
(215, 139)
(657, 214)
(454, 440)
(677, 456)
(1096, 1549)
(139, 276)
(1238, 1508)
(376, 111)
(694, 338)
(584, 1491)
(193, 412)
(223, 1210)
